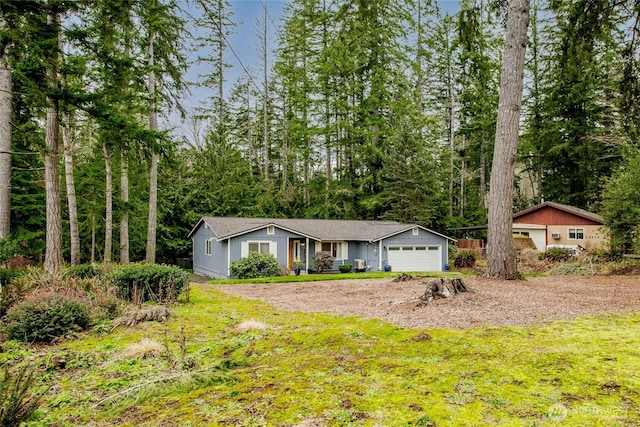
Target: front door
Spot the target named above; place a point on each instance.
(297, 256)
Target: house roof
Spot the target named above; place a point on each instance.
(565, 208)
(317, 229)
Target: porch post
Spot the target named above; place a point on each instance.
(306, 255)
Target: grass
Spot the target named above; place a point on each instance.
(306, 368)
(333, 276)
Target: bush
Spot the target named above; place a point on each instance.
(575, 269)
(464, 259)
(255, 265)
(324, 261)
(149, 282)
(8, 248)
(557, 254)
(603, 256)
(45, 317)
(7, 275)
(345, 268)
(11, 289)
(84, 271)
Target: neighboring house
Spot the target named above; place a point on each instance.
(552, 223)
(367, 245)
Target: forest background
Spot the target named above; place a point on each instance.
(370, 109)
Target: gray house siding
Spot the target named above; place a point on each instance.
(214, 265)
(279, 237)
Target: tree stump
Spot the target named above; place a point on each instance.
(443, 288)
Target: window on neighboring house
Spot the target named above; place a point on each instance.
(415, 231)
(576, 233)
(262, 247)
(337, 249)
(524, 233)
(271, 230)
(208, 247)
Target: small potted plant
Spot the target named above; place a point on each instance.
(296, 267)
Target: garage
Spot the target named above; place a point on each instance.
(415, 258)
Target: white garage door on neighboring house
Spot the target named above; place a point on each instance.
(415, 258)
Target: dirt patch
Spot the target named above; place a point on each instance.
(490, 303)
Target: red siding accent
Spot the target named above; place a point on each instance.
(550, 216)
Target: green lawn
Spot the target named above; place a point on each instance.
(333, 276)
(322, 369)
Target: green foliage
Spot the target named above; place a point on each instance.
(557, 254)
(11, 290)
(8, 248)
(84, 271)
(465, 259)
(255, 265)
(621, 205)
(139, 282)
(18, 403)
(603, 256)
(344, 268)
(43, 317)
(8, 274)
(323, 260)
(574, 269)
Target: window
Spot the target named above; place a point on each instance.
(262, 247)
(415, 231)
(271, 230)
(337, 249)
(576, 233)
(523, 233)
(208, 247)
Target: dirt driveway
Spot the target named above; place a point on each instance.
(491, 302)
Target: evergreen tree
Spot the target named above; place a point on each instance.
(575, 141)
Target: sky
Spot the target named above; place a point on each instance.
(244, 41)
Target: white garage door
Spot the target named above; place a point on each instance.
(415, 258)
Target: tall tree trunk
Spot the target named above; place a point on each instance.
(452, 143)
(93, 237)
(501, 252)
(6, 112)
(53, 252)
(483, 172)
(265, 97)
(124, 215)
(74, 234)
(153, 174)
(327, 119)
(108, 197)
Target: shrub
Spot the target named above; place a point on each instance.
(255, 265)
(7, 275)
(324, 261)
(557, 254)
(464, 259)
(345, 268)
(8, 249)
(17, 403)
(12, 290)
(603, 256)
(575, 269)
(149, 282)
(84, 271)
(45, 317)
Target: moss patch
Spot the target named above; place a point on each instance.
(340, 371)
